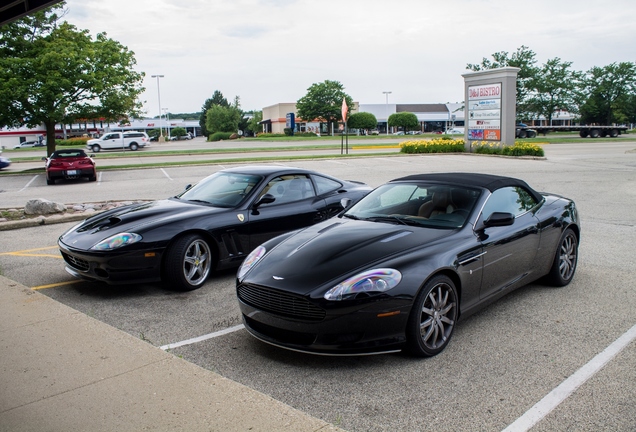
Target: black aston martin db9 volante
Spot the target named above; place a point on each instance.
(399, 268)
(212, 225)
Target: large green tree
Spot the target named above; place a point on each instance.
(51, 72)
(323, 102)
(553, 88)
(224, 119)
(216, 99)
(608, 94)
(253, 124)
(406, 120)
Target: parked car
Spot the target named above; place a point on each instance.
(374, 132)
(119, 141)
(4, 162)
(398, 133)
(28, 144)
(69, 164)
(212, 225)
(398, 269)
(454, 131)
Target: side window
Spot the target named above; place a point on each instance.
(111, 136)
(513, 200)
(325, 185)
(289, 188)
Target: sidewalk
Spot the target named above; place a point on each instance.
(61, 370)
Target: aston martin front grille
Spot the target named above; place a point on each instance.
(279, 303)
(76, 263)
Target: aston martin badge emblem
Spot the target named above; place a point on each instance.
(240, 217)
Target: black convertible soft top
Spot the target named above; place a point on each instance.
(487, 181)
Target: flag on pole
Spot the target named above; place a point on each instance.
(345, 109)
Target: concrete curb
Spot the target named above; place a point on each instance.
(42, 220)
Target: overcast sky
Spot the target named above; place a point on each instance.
(271, 51)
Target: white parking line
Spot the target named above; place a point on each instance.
(28, 184)
(204, 337)
(166, 174)
(99, 178)
(567, 387)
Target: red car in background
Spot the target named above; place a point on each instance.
(69, 164)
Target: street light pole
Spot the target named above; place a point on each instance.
(387, 93)
(159, 97)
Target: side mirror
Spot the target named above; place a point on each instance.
(345, 202)
(499, 219)
(265, 199)
(43, 158)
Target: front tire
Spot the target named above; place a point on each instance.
(96, 148)
(433, 317)
(188, 262)
(565, 260)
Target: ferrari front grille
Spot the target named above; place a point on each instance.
(280, 303)
(76, 263)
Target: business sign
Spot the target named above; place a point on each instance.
(486, 104)
(484, 112)
(290, 121)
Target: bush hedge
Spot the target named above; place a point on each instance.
(79, 142)
(218, 136)
(446, 145)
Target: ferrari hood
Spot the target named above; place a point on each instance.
(136, 218)
(333, 250)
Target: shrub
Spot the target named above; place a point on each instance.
(288, 132)
(518, 149)
(79, 142)
(219, 136)
(433, 146)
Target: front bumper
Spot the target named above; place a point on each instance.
(114, 267)
(370, 326)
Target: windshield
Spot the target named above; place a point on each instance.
(419, 204)
(222, 189)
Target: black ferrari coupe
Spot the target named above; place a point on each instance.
(212, 225)
(399, 268)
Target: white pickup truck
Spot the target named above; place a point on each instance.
(119, 141)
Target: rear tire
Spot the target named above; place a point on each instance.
(133, 146)
(614, 133)
(583, 133)
(565, 260)
(188, 262)
(595, 133)
(433, 317)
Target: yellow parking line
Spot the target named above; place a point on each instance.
(40, 287)
(29, 252)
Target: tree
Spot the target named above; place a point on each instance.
(524, 59)
(405, 120)
(178, 132)
(362, 120)
(51, 73)
(554, 87)
(216, 99)
(223, 119)
(323, 102)
(608, 92)
(253, 124)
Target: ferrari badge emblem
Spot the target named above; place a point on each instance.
(240, 217)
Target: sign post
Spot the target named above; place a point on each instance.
(345, 110)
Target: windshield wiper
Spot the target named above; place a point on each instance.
(387, 218)
(350, 216)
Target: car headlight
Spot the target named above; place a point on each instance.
(117, 241)
(251, 260)
(369, 282)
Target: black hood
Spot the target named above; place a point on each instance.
(332, 250)
(136, 218)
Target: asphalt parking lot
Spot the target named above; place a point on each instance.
(501, 361)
